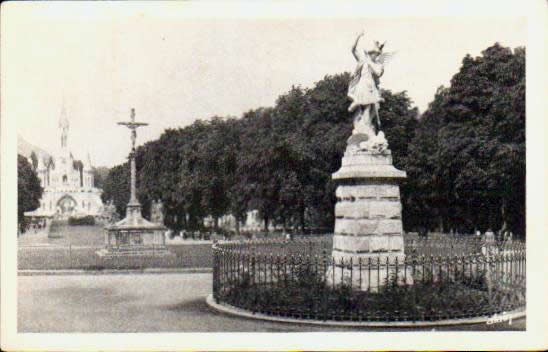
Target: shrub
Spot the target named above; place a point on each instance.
(306, 291)
(85, 220)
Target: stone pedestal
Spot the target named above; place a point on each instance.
(368, 225)
(134, 236)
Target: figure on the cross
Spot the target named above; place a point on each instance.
(132, 125)
(133, 130)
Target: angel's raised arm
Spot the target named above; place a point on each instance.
(355, 51)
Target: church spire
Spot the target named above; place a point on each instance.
(40, 165)
(87, 163)
(63, 126)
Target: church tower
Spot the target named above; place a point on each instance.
(88, 173)
(63, 129)
(65, 162)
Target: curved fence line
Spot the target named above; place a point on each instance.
(299, 279)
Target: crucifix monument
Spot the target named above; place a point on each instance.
(134, 235)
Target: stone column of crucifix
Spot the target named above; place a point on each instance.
(132, 125)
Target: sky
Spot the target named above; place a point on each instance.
(174, 68)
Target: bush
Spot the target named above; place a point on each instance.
(77, 221)
(395, 301)
(306, 291)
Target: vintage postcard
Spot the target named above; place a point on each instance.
(202, 175)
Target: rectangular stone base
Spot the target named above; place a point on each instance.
(368, 272)
(135, 251)
(374, 244)
(134, 239)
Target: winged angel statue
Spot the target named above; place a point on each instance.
(365, 94)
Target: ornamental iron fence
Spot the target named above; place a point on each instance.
(436, 280)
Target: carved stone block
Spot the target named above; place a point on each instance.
(396, 243)
(368, 191)
(379, 243)
(352, 210)
(351, 244)
(385, 209)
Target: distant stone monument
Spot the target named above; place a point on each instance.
(157, 212)
(134, 235)
(109, 213)
(368, 222)
(114, 216)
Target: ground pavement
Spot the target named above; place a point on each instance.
(146, 303)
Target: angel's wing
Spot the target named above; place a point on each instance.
(385, 58)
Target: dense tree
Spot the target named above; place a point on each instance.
(99, 175)
(467, 161)
(29, 191)
(277, 160)
(159, 170)
(464, 157)
(34, 159)
(324, 131)
(424, 199)
(255, 163)
(116, 187)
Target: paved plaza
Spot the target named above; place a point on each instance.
(147, 303)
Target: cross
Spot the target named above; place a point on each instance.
(132, 125)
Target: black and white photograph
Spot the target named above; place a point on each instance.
(196, 167)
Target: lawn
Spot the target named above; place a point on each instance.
(62, 234)
(74, 247)
(58, 258)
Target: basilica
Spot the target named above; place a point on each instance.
(68, 183)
